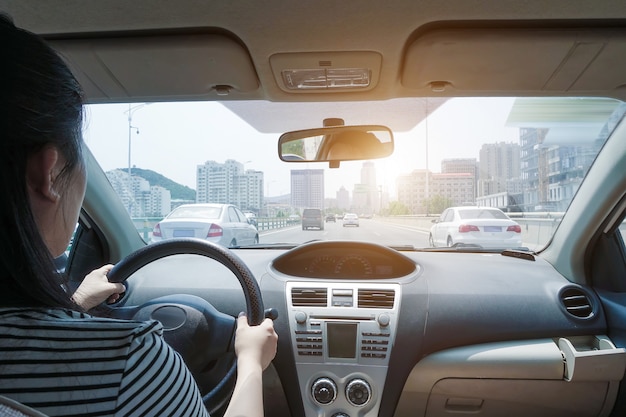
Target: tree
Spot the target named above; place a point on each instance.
(437, 204)
(396, 208)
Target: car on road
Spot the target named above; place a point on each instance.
(350, 219)
(498, 103)
(312, 218)
(224, 224)
(331, 218)
(485, 227)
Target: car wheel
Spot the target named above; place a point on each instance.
(232, 243)
(206, 335)
(431, 241)
(449, 242)
(256, 239)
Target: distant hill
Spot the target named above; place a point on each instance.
(178, 191)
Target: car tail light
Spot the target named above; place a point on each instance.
(464, 228)
(215, 231)
(156, 231)
(517, 229)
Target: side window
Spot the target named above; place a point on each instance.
(449, 216)
(232, 215)
(442, 218)
(242, 217)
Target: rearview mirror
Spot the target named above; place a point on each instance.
(336, 144)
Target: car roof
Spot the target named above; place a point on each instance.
(236, 51)
(204, 205)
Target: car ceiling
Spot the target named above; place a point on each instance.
(159, 50)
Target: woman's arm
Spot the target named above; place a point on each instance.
(255, 347)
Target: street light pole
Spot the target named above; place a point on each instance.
(129, 112)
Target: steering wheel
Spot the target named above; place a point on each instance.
(193, 327)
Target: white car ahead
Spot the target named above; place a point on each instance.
(486, 227)
(224, 224)
(350, 219)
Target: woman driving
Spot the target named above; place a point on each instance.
(54, 356)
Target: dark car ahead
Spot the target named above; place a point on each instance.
(331, 218)
(312, 218)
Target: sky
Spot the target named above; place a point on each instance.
(173, 138)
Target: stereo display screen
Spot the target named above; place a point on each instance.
(341, 339)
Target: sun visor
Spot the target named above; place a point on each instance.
(159, 67)
(518, 61)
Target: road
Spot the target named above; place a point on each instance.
(369, 230)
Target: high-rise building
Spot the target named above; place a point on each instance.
(160, 201)
(343, 198)
(369, 198)
(499, 168)
(138, 196)
(307, 188)
(227, 183)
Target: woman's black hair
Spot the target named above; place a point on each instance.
(41, 105)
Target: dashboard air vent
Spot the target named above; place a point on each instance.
(309, 297)
(372, 298)
(577, 303)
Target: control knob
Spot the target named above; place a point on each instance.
(358, 392)
(324, 391)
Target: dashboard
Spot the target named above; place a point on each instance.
(366, 330)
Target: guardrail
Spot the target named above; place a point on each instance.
(144, 225)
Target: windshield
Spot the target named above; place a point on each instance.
(523, 156)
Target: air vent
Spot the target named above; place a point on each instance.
(372, 298)
(577, 303)
(309, 297)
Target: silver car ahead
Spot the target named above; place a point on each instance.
(224, 224)
(487, 227)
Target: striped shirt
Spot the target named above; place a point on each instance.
(66, 363)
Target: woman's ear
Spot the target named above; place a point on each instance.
(42, 170)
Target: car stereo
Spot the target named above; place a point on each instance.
(342, 336)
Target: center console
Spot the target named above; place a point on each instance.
(342, 335)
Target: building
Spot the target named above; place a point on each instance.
(499, 168)
(227, 183)
(307, 188)
(462, 166)
(457, 188)
(138, 196)
(343, 198)
(412, 190)
(369, 187)
(160, 201)
(417, 188)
